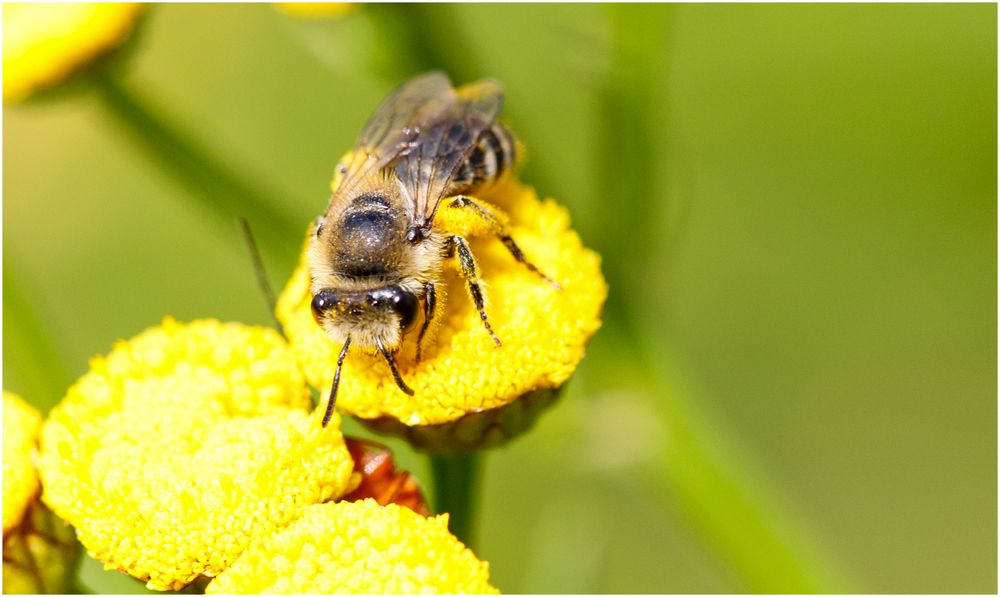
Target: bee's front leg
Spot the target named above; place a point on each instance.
(470, 271)
(497, 225)
(430, 314)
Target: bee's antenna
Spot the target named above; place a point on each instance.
(332, 400)
(392, 365)
(258, 268)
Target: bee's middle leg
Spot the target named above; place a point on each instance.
(498, 226)
(470, 271)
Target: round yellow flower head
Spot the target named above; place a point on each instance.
(38, 549)
(20, 481)
(469, 393)
(43, 43)
(184, 442)
(357, 547)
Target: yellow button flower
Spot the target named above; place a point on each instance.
(38, 549)
(470, 393)
(357, 547)
(43, 43)
(20, 481)
(183, 443)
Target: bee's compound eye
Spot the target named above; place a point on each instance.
(405, 305)
(322, 302)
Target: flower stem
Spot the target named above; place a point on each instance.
(212, 186)
(455, 483)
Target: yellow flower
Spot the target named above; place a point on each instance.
(317, 9)
(184, 442)
(468, 392)
(43, 43)
(357, 547)
(20, 481)
(38, 549)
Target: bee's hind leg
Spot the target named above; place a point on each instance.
(470, 271)
(497, 226)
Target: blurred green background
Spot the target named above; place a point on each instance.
(796, 207)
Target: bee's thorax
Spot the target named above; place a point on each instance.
(368, 238)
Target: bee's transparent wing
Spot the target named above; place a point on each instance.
(395, 125)
(444, 142)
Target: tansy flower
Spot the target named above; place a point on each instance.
(357, 547)
(43, 43)
(182, 444)
(38, 549)
(469, 393)
(20, 434)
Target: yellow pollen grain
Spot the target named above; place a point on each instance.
(359, 548)
(544, 331)
(20, 481)
(173, 451)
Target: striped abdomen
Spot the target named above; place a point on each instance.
(493, 156)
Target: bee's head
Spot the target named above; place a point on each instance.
(363, 315)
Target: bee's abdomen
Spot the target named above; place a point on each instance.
(493, 156)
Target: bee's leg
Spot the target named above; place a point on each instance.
(470, 271)
(496, 225)
(332, 400)
(430, 313)
(392, 367)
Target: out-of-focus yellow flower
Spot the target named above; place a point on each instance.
(20, 434)
(317, 9)
(38, 549)
(357, 547)
(43, 43)
(181, 444)
(469, 393)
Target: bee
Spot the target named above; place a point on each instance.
(376, 255)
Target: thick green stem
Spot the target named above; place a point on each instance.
(455, 492)
(730, 507)
(212, 186)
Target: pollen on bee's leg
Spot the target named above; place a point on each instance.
(477, 298)
(470, 272)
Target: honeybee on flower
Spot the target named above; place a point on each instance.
(377, 254)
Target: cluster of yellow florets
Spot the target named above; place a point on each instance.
(357, 547)
(183, 443)
(544, 331)
(190, 443)
(20, 481)
(43, 43)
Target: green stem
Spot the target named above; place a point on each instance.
(732, 506)
(729, 506)
(212, 186)
(455, 492)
